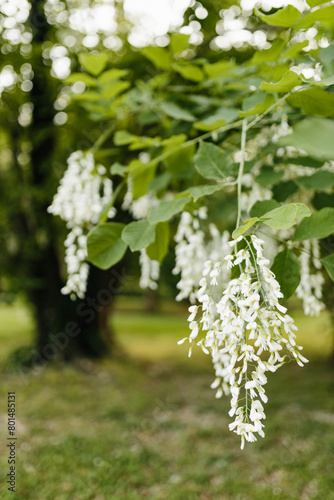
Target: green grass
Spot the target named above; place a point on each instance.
(148, 425)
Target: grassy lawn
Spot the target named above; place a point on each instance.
(148, 425)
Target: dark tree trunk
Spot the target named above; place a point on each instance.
(64, 327)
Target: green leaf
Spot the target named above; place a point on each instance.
(197, 192)
(283, 190)
(319, 225)
(287, 83)
(269, 55)
(104, 245)
(123, 137)
(261, 207)
(286, 216)
(175, 111)
(189, 72)
(286, 269)
(178, 42)
(112, 74)
(268, 176)
(114, 89)
(314, 101)
(217, 119)
(211, 162)
(285, 18)
(322, 200)
(118, 169)
(320, 180)
(141, 175)
(295, 49)
(314, 136)
(328, 262)
(314, 3)
(180, 160)
(81, 77)
(218, 69)
(94, 63)
(138, 234)
(325, 16)
(159, 248)
(158, 56)
(167, 209)
(247, 224)
(87, 96)
(256, 104)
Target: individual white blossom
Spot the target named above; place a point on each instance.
(245, 329)
(150, 271)
(310, 287)
(82, 194)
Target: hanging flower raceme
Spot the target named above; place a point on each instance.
(83, 192)
(246, 330)
(192, 251)
(310, 287)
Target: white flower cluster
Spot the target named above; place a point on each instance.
(150, 271)
(247, 331)
(80, 198)
(310, 287)
(192, 251)
(139, 209)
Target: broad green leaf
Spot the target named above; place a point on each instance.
(305, 161)
(141, 175)
(286, 216)
(212, 163)
(138, 234)
(104, 245)
(287, 83)
(218, 69)
(325, 16)
(94, 63)
(285, 18)
(197, 192)
(217, 119)
(159, 248)
(87, 96)
(269, 55)
(160, 182)
(286, 269)
(81, 77)
(173, 141)
(295, 49)
(322, 200)
(118, 169)
(314, 3)
(320, 180)
(247, 224)
(123, 137)
(114, 89)
(175, 111)
(179, 160)
(256, 104)
(112, 74)
(314, 136)
(178, 42)
(189, 72)
(262, 207)
(158, 56)
(283, 190)
(314, 101)
(167, 209)
(328, 262)
(319, 225)
(268, 176)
